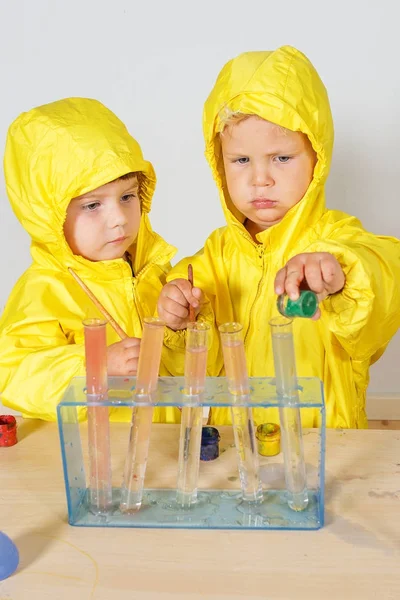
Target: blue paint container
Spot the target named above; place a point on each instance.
(9, 557)
(209, 443)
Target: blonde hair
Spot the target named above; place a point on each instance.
(228, 117)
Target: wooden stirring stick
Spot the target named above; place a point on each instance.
(192, 315)
(98, 304)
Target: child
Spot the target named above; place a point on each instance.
(78, 183)
(269, 136)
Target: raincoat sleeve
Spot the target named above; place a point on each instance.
(365, 315)
(37, 360)
(173, 356)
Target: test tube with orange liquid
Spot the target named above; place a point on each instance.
(192, 416)
(242, 418)
(139, 438)
(100, 487)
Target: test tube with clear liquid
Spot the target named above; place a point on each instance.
(139, 436)
(290, 418)
(242, 418)
(100, 485)
(192, 416)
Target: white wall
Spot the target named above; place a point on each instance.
(154, 63)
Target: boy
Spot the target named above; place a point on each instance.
(269, 137)
(78, 183)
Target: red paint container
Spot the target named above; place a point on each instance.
(8, 430)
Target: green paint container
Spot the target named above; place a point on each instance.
(305, 306)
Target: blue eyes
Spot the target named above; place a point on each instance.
(93, 205)
(244, 160)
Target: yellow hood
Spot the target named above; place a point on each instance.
(281, 87)
(59, 151)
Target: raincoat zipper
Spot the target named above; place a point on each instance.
(261, 257)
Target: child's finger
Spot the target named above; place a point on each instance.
(186, 289)
(313, 274)
(175, 291)
(181, 291)
(332, 274)
(198, 295)
(317, 315)
(172, 320)
(131, 366)
(294, 277)
(173, 309)
(132, 352)
(130, 342)
(280, 279)
(327, 269)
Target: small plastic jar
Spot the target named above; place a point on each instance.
(305, 306)
(268, 439)
(8, 430)
(209, 443)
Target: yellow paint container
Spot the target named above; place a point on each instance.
(268, 439)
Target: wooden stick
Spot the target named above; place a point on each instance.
(192, 314)
(98, 304)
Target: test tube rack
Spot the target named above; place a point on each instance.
(219, 508)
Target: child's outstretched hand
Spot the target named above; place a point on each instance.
(174, 301)
(123, 357)
(319, 270)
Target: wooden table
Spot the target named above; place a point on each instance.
(355, 556)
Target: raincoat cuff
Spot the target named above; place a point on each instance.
(175, 340)
(351, 307)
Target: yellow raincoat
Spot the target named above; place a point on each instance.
(54, 153)
(237, 275)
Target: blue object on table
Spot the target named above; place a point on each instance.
(209, 443)
(9, 557)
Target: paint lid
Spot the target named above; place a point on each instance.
(305, 306)
(268, 439)
(209, 435)
(8, 430)
(209, 449)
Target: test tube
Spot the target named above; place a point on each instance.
(100, 488)
(242, 418)
(192, 416)
(291, 432)
(139, 436)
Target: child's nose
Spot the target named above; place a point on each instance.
(117, 216)
(262, 176)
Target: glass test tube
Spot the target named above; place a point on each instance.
(242, 418)
(100, 488)
(192, 417)
(139, 436)
(291, 432)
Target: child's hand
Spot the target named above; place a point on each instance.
(174, 302)
(320, 270)
(122, 357)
